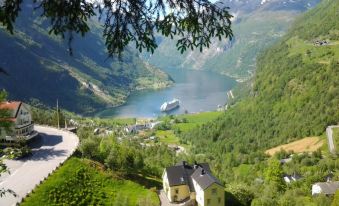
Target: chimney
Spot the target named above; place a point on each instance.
(196, 165)
(203, 172)
(184, 163)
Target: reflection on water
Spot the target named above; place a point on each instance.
(197, 91)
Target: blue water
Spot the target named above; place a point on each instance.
(197, 91)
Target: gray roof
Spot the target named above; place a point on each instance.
(177, 175)
(182, 174)
(328, 187)
(204, 178)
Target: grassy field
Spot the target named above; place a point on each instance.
(308, 144)
(200, 117)
(167, 137)
(312, 53)
(193, 120)
(78, 182)
(186, 123)
(116, 121)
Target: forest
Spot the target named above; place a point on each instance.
(294, 94)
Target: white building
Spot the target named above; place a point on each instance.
(326, 188)
(22, 127)
(186, 184)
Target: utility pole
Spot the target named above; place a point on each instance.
(58, 114)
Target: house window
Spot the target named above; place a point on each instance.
(208, 201)
(176, 191)
(214, 191)
(219, 199)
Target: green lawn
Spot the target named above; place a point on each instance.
(167, 137)
(193, 120)
(312, 53)
(185, 127)
(78, 183)
(115, 121)
(200, 117)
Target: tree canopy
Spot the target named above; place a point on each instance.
(196, 22)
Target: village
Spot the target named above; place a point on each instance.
(183, 184)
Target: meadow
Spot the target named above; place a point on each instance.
(84, 182)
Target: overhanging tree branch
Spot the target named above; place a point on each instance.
(196, 22)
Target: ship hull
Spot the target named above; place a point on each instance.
(168, 106)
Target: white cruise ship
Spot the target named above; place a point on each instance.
(167, 106)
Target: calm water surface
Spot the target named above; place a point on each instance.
(197, 91)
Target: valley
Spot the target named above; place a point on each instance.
(256, 26)
(257, 123)
(193, 89)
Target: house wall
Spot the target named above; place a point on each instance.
(199, 194)
(214, 195)
(175, 193)
(316, 189)
(24, 116)
(22, 126)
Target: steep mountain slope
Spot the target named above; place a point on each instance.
(256, 25)
(295, 94)
(40, 67)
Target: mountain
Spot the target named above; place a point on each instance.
(295, 94)
(40, 67)
(257, 24)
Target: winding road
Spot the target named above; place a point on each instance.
(51, 148)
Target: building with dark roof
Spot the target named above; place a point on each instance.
(183, 182)
(20, 120)
(326, 188)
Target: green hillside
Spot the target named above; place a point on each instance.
(40, 67)
(295, 91)
(78, 182)
(295, 94)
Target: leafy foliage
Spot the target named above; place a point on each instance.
(274, 173)
(196, 22)
(4, 115)
(79, 182)
(336, 199)
(125, 156)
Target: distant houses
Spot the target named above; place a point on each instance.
(321, 43)
(139, 127)
(326, 188)
(192, 184)
(291, 178)
(19, 114)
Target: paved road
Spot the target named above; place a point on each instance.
(329, 133)
(50, 148)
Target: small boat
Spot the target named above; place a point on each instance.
(167, 106)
